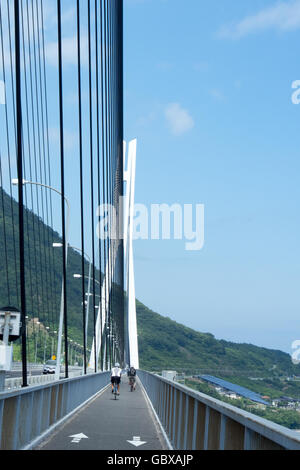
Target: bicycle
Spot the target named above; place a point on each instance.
(131, 383)
(115, 390)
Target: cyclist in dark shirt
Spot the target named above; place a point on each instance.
(132, 377)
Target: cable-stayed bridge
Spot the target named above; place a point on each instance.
(67, 293)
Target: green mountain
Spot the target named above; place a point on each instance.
(163, 343)
(43, 269)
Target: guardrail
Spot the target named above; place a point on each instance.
(30, 366)
(28, 413)
(16, 382)
(194, 421)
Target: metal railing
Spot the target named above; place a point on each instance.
(16, 382)
(194, 421)
(28, 413)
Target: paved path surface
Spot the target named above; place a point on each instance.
(109, 424)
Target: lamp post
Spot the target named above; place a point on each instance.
(79, 276)
(59, 245)
(71, 350)
(52, 345)
(35, 359)
(15, 182)
(45, 342)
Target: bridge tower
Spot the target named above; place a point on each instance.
(131, 353)
(131, 337)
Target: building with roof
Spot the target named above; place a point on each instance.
(234, 389)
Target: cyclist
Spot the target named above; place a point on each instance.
(132, 377)
(116, 377)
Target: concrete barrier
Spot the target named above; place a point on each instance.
(194, 421)
(28, 413)
(16, 382)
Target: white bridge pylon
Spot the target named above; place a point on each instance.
(131, 351)
(131, 339)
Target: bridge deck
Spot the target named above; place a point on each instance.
(109, 424)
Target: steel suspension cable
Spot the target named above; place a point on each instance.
(9, 152)
(61, 119)
(92, 175)
(81, 187)
(20, 188)
(49, 170)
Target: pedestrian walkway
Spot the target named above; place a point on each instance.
(127, 423)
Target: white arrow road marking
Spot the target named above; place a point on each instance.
(137, 441)
(77, 438)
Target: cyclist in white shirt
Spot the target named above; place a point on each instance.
(116, 377)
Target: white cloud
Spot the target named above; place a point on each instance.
(70, 138)
(217, 94)
(179, 120)
(69, 51)
(50, 14)
(283, 16)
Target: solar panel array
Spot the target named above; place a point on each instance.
(242, 391)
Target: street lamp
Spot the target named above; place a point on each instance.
(79, 276)
(52, 344)
(15, 182)
(59, 245)
(45, 342)
(35, 359)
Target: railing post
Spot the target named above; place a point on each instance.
(207, 414)
(2, 380)
(161, 400)
(15, 425)
(28, 421)
(166, 405)
(248, 439)
(173, 436)
(222, 432)
(1, 419)
(40, 413)
(170, 410)
(179, 422)
(186, 421)
(195, 425)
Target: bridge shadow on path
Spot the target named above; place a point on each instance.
(127, 423)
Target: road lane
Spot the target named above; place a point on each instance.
(108, 424)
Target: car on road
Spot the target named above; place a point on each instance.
(49, 367)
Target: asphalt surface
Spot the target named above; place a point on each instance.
(109, 424)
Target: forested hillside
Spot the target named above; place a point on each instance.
(163, 343)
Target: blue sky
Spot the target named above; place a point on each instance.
(208, 89)
(224, 69)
